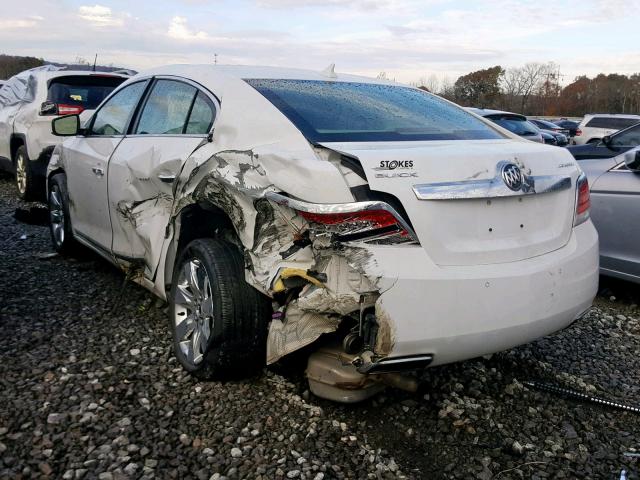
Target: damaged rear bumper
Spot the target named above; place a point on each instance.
(461, 312)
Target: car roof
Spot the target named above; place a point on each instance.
(612, 115)
(241, 72)
(77, 73)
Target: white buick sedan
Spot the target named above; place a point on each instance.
(277, 208)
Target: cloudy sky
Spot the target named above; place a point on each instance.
(408, 39)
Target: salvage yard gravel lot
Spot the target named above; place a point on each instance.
(89, 389)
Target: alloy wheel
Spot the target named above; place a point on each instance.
(21, 173)
(56, 215)
(193, 312)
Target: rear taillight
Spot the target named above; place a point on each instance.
(578, 132)
(366, 225)
(373, 218)
(371, 222)
(69, 109)
(583, 200)
(50, 108)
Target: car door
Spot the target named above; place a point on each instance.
(175, 118)
(615, 199)
(86, 158)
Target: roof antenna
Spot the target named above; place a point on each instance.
(95, 59)
(330, 71)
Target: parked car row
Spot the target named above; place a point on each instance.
(514, 122)
(559, 136)
(531, 129)
(277, 208)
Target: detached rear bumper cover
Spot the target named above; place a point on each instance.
(456, 313)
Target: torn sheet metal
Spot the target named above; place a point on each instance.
(319, 308)
(298, 330)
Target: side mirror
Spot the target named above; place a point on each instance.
(67, 126)
(633, 161)
(606, 140)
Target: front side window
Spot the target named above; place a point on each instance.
(326, 111)
(167, 109)
(113, 117)
(628, 138)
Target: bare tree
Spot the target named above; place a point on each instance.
(520, 83)
(430, 83)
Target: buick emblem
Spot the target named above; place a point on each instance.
(512, 176)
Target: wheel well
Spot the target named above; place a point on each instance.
(54, 172)
(203, 220)
(15, 143)
(200, 220)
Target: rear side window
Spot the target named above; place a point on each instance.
(326, 111)
(167, 108)
(84, 91)
(515, 124)
(612, 122)
(114, 115)
(202, 114)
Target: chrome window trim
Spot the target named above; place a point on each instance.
(328, 208)
(491, 187)
(164, 135)
(621, 168)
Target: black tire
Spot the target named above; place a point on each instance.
(25, 179)
(593, 140)
(59, 218)
(236, 346)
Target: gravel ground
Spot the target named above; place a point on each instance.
(89, 389)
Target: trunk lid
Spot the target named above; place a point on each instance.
(500, 225)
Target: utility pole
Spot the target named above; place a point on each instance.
(95, 59)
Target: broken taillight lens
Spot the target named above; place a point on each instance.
(583, 200)
(377, 226)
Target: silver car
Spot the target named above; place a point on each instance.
(615, 211)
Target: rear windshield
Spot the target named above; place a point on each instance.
(326, 111)
(86, 91)
(515, 124)
(545, 124)
(612, 122)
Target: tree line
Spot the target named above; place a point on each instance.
(535, 89)
(10, 65)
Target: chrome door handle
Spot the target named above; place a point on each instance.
(98, 171)
(166, 177)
